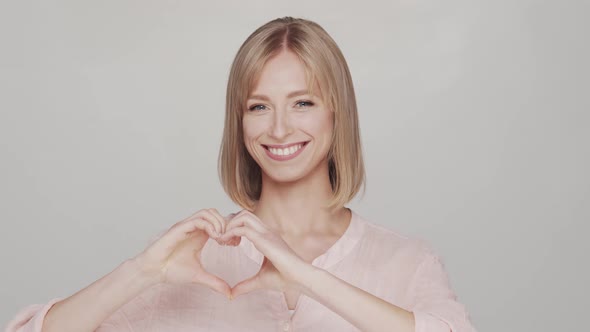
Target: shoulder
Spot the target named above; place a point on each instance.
(389, 242)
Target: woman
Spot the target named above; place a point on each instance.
(296, 257)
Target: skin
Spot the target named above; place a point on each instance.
(290, 224)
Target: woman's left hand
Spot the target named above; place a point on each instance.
(281, 266)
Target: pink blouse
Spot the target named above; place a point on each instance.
(398, 269)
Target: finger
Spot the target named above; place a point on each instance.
(211, 230)
(246, 218)
(184, 229)
(229, 217)
(208, 227)
(246, 286)
(210, 215)
(213, 215)
(227, 237)
(239, 231)
(201, 214)
(215, 283)
(232, 242)
(219, 218)
(207, 215)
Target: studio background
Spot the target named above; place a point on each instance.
(474, 120)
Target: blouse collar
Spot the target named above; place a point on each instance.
(333, 255)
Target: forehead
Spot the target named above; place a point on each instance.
(281, 74)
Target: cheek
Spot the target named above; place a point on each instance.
(251, 129)
(319, 127)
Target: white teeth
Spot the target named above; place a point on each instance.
(286, 151)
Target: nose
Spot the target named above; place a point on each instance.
(281, 125)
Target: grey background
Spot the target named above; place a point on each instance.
(474, 119)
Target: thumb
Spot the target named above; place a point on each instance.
(246, 286)
(217, 284)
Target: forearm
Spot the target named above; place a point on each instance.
(362, 309)
(89, 307)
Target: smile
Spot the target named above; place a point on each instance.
(286, 152)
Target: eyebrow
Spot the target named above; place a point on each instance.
(290, 95)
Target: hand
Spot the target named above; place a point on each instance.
(175, 257)
(281, 265)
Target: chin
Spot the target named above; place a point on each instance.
(285, 177)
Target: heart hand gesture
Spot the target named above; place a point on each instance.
(175, 257)
(281, 265)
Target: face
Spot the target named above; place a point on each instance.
(287, 131)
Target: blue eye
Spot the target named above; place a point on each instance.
(256, 107)
(304, 103)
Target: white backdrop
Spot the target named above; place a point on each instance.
(474, 118)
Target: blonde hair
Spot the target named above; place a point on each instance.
(325, 65)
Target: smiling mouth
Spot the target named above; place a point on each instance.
(284, 152)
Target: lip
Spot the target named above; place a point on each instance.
(282, 146)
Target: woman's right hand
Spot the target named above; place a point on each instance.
(175, 257)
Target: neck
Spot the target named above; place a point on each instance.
(298, 208)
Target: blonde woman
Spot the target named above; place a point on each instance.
(295, 258)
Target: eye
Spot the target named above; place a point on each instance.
(304, 103)
(256, 107)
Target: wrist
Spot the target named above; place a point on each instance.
(306, 278)
(144, 274)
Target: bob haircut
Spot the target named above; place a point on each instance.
(325, 67)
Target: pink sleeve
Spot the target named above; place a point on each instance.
(30, 319)
(434, 303)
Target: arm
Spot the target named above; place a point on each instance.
(362, 309)
(29, 319)
(282, 268)
(89, 307)
(433, 301)
(434, 306)
(171, 257)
